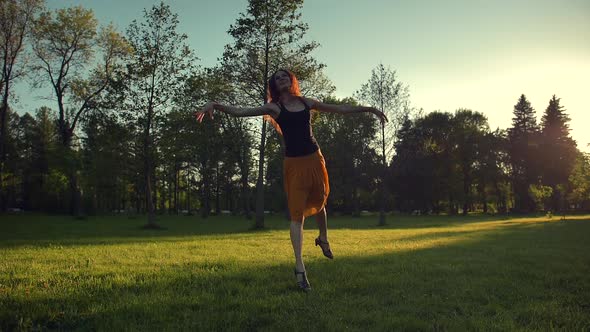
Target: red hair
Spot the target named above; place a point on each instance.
(273, 93)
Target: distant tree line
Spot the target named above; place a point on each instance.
(119, 133)
(454, 163)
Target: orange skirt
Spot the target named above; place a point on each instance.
(306, 184)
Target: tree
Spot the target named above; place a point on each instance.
(491, 171)
(158, 69)
(409, 150)
(235, 139)
(16, 18)
(183, 149)
(267, 37)
(349, 152)
(425, 168)
(385, 92)
(106, 158)
(540, 194)
(469, 130)
(176, 150)
(579, 182)
(558, 150)
(43, 184)
(523, 139)
(65, 43)
(16, 158)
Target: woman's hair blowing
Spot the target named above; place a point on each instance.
(273, 93)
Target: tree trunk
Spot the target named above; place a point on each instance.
(75, 195)
(188, 192)
(244, 170)
(466, 191)
(555, 199)
(170, 198)
(137, 201)
(484, 197)
(155, 190)
(176, 187)
(149, 199)
(228, 197)
(75, 208)
(217, 191)
(205, 204)
(260, 183)
(356, 202)
(382, 221)
(245, 194)
(503, 205)
(3, 139)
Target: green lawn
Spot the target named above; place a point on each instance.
(417, 273)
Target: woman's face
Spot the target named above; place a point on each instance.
(283, 81)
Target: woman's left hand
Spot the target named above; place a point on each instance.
(207, 109)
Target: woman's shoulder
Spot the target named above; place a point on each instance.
(308, 102)
(274, 108)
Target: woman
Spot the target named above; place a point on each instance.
(305, 176)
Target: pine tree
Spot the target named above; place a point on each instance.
(559, 150)
(523, 139)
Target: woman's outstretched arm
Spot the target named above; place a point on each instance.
(344, 109)
(267, 109)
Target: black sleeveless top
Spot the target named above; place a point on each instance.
(297, 133)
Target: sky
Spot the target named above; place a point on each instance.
(475, 54)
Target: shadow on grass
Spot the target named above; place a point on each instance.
(43, 230)
(534, 277)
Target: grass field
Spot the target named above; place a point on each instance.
(417, 273)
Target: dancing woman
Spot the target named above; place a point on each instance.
(304, 170)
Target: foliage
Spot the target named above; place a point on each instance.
(158, 69)
(16, 18)
(539, 194)
(579, 182)
(65, 43)
(558, 151)
(347, 145)
(445, 159)
(122, 136)
(523, 138)
(387, 93)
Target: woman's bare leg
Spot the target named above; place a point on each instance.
(322, 221)
(297, 242)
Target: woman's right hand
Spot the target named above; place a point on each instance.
(207, 109)
(379, 114)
